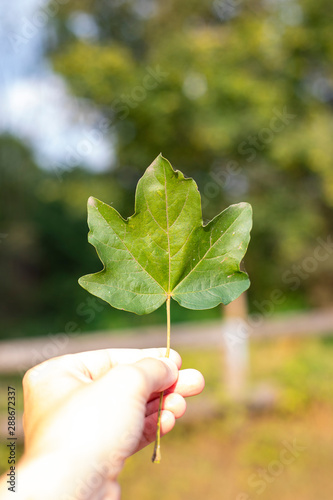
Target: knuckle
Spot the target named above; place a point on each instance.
(133, 376)
(30, 378)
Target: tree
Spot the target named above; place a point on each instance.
(236, 95)
(43, 245)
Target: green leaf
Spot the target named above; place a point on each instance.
(164, 248)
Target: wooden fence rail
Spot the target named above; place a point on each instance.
(20, 354)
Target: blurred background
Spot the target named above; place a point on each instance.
(238, 95)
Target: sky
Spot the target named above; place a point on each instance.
(35, 103)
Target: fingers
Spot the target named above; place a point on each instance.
(125, 356)
(96, 363)
(168, 421)
(157, 375)
(91, 365)
(173, 402)
(190, 383)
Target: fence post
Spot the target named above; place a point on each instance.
(235, 341)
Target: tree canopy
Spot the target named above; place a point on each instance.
(238, 95)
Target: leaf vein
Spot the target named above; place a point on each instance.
(127, 250)
(148, 208)
(222, 236)
(188, 191)
(208, 289)
(174, 255)
(167, 222)
(122, 289)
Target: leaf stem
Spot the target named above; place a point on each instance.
(167, 354)
(156, 458)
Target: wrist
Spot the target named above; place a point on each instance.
(55, 477)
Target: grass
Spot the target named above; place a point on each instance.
(241, 455)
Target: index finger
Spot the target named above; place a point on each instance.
(97, 363)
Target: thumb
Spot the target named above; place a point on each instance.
(143, 377)
(158, 374)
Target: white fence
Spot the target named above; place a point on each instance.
(20, 354)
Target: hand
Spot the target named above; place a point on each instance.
(84, 414)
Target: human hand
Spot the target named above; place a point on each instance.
(86, 413)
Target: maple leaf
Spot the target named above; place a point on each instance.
(164, 250)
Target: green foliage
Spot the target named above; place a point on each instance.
(221, 82)
(242, 103)
(164, 249)
(301, 370)
(42, 232)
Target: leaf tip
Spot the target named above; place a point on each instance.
(245, 206)
(91, 201)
